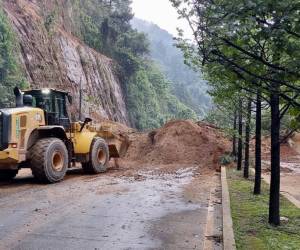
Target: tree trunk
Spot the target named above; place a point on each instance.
(247, 140)
(234, 135)
(257, 184)
(274, 214)
(240, 142)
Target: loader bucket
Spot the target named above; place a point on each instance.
(117, 143)
(117, 146)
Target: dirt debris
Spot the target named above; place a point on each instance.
(289, 151)
(178, 144)
(289, 154)
(116, 127)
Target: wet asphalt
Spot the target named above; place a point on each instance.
(105, 212)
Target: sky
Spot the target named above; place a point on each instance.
(162, 13)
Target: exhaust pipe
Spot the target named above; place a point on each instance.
(19, 97)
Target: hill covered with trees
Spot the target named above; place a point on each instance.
(10, 73)
(102, 27)
(187, 85)
(106, 27)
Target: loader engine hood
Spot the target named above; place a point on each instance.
(14, 122)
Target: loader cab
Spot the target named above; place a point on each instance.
(53, 102)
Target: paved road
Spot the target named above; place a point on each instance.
(147, 211)
(289, 177)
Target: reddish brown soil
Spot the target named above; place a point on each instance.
(179, 144)
(287, 153)
(290, 165)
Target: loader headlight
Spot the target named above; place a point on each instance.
(46, 91)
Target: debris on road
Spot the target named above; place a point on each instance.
(177, 143)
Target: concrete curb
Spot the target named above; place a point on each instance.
(228, 235)
(208, 244)
(292, 199)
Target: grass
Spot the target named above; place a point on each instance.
(250, 217)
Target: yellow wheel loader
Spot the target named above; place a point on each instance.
(38, 134)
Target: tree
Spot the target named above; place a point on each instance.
(257, 181)
(105, 25)
(247, 138)
(188, 85)
(240, 140)
(234, 151)
(255, 40)
(11, 74)
(274, 215)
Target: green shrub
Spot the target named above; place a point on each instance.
(226, 159)
(10, 73)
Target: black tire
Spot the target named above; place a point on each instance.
(49, 160)
(7, 175)
(99, 157)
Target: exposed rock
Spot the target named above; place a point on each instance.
(57, 59)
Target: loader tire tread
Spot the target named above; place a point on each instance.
(94, 167)
(38, 155)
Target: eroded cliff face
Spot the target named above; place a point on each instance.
(57, 59)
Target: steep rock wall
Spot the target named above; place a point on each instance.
(57, 59)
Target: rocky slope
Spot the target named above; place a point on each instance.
(57, 59)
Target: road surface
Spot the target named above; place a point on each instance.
(111, 211)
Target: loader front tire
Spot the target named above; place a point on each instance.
(99, 157)
(7, 175)
(49, 160)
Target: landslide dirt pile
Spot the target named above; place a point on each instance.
(178, 142)
(289, 151)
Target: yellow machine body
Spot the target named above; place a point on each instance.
(22, 122)
(39, 134)
(27, 124)
(81, 140)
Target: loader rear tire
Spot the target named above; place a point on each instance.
(49, 160)
(99, 157)
(7, 175)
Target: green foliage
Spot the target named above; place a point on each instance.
(187, 85)
(91, 34)
(243, 46)
(150, 103)
(105, 26)
(50, 21)
(250, 217)
(289, 122)
(10, 72)
(226, 159)
(220, 117)
(143, 108)
(292, 119)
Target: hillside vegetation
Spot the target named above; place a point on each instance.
(187, 85)
(105, 26)
(10, 73)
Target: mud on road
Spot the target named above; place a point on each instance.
(144, 210)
